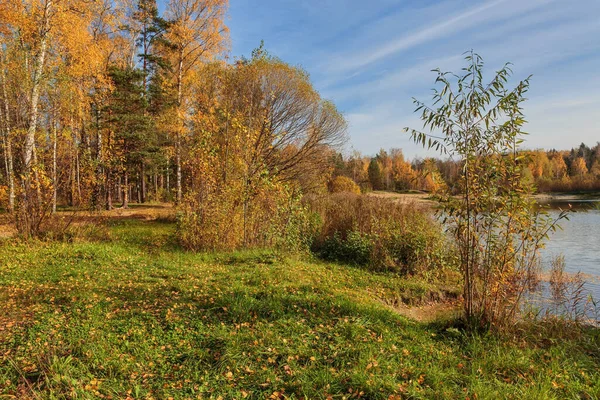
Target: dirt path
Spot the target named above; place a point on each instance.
(135, 211)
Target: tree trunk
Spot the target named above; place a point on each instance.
(8, 164)
(72, 181)
(156, 186)
(125, 190)
(110, 184)
(78, 175)
(138, 189)
(179, 127)
(98, 187)
(35, 92)
(109, 188)
(8, 143)
(143, 183)
(168, 174)
(54, 164)
(119, 190)
(178, 160)
(4, 154)
(36, 176)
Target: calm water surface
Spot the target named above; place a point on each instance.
(579, 242)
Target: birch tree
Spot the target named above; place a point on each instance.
(197, 33)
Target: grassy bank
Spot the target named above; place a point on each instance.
(136, 317)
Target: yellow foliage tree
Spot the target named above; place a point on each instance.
(197, 33)
(343, 184)
(596, 169)
(262, 128)
(559, 167)
(579, 167)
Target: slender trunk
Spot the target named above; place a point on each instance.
(168, 174)
(180, 126)
(78, 175)
(156, 186)
(247, 174)
(133, 49)
(138, 188)
(109, 188)
(54, 165)
(8, 164)
(31, 224)
(35, 92)
(145, 61)
(97, 200)
(245, 220)
(125, 190)
(8, 143)
(119, 190)
(85, 138)
(109, 179)
(143, 183)
(36, 176)
(5, 157)
(98, 136)
(178, 161)
(72, 181)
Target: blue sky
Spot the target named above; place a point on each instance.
(371, 58)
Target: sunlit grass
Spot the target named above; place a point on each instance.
(136, 316)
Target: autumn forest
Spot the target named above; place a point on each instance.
(180, 222)
(106, 103)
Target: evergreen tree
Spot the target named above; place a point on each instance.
(375, 175)
(130, 122)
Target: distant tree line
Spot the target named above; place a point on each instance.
(391, 171)
(577, 169)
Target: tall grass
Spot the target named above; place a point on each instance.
(380, 234)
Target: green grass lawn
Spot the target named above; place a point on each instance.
(135, 317)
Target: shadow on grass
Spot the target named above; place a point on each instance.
(146, 235)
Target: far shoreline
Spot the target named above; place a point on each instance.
(421, 197)
(567, 196)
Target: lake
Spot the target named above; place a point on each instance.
(578, 240)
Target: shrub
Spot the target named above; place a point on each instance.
(342, 184)
(34, 205)
(273, 217)
(356, 248)
(379, 234)
(494, 221)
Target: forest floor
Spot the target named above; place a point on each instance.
(131, 315)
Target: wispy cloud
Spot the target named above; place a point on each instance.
(393, 79)
(372, 57)
(444, 26)
(414, 39)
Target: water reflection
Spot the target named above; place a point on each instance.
(578, 240)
